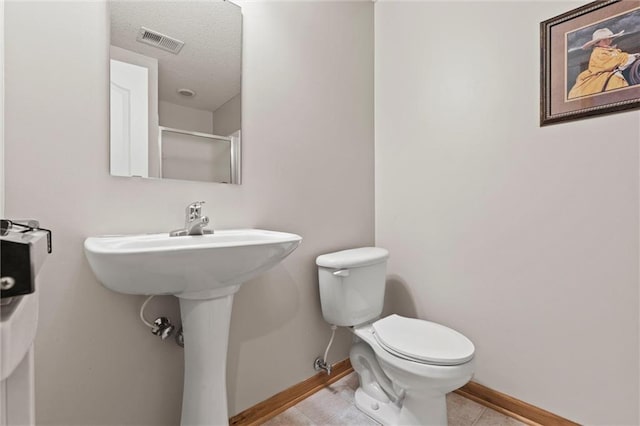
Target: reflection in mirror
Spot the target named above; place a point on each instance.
(175, 89)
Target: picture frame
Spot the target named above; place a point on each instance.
(588, 59)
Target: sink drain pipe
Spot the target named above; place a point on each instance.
(323, 363)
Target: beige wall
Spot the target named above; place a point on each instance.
(96, 363)
(523, 238)
(185, 118)
(227, 118)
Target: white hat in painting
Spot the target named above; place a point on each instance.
(601, 34)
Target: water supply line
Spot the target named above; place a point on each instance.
(144, 305)
(322, 363)
(161, 327)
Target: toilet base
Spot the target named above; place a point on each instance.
(425, 412)
(386, 413)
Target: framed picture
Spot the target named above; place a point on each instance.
(590, 61)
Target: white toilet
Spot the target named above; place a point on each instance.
(406, 366)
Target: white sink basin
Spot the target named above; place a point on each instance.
(192, 267)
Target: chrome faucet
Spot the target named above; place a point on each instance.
(194, 222)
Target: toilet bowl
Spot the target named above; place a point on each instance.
(415, 391)
(406, 366)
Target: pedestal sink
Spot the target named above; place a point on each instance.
(204, 272)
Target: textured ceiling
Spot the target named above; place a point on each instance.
(210, 61)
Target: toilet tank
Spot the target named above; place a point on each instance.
(352, 284)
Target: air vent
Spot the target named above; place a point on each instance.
(159, 40)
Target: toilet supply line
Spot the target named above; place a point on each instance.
(322, 363)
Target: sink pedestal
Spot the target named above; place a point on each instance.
(205, 327)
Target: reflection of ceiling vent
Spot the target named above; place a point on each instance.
(159, 40)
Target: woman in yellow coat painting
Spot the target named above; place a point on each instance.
(605, 65)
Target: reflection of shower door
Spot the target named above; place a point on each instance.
(129, 120)
(199, 156)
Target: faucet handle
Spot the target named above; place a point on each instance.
(194, 211)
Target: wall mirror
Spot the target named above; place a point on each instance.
(175, 90)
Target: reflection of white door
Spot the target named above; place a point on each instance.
(129, 120)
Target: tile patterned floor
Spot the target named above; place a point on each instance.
(334, 406)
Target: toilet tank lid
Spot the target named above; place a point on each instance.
(353, 258)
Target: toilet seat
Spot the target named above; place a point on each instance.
(422, 341)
